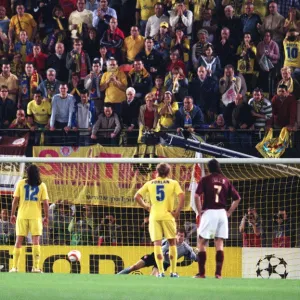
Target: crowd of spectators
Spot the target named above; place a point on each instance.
(90, 69)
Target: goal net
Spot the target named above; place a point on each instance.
(93, 210)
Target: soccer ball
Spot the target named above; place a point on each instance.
(74, 255)
(272, 267)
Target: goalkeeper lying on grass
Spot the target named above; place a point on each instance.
(183, 249)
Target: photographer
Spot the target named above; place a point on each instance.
(281, 230)
(251, 228)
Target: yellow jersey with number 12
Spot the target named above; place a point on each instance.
(292, 53)
(162, 194)
(31, 198)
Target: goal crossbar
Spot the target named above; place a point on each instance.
(126, 160)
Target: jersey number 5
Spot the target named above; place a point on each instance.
(217, 189)
(31, 192)
(160, 193)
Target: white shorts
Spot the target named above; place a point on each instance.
(213, 224)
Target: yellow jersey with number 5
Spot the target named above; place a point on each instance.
(292, 53)
(162, 194)
(31, 198)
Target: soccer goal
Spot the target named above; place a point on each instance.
(92, 209)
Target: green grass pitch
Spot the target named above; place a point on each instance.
(133, 287)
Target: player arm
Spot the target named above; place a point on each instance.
(139, 199)
(180, 205)
(15, 204)
(242, 225)
(233, 207)
(46, 208)
(198, 204)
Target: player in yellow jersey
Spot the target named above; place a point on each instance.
(162, 193)
(291, 46)
(30, 193)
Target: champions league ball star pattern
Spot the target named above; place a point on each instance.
(271, 267)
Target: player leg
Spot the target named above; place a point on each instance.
(219, 257)
(16, 253)
(173, 257)
(21, 232)
(156, 234)
(206, 231)
(159, 257)
(138, 265)
(202, 243)
(36, 229)
(169, 229)
(221, 234)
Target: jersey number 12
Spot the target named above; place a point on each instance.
(31, 192)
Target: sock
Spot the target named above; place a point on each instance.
(125, 271)
(36, 253)
(159, 262)
(201, 262)
(219, 262)
(16, 256)
(173, 260)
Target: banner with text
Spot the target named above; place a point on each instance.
(111, 260)
(11, 173)
(280, 263)
(107, 184)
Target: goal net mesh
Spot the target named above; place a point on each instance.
(92, 209)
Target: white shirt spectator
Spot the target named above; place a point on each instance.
(186, 20)
(109, 12)
(78, 18)
(153, 24)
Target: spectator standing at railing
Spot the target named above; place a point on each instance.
(238, 116)
(8, 108)
(129, 115)
(189, 116)
(261, 109)
(109, 121)
(39, 112)
(148, 117)
(84, 117)
(284, 109)
(62, 109)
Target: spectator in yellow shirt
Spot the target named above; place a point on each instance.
(21, 22)
(39, 112)
(133, 45)
(167, 110)
(114, 83)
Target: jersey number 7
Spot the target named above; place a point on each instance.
(160, 193)
(217, 189)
